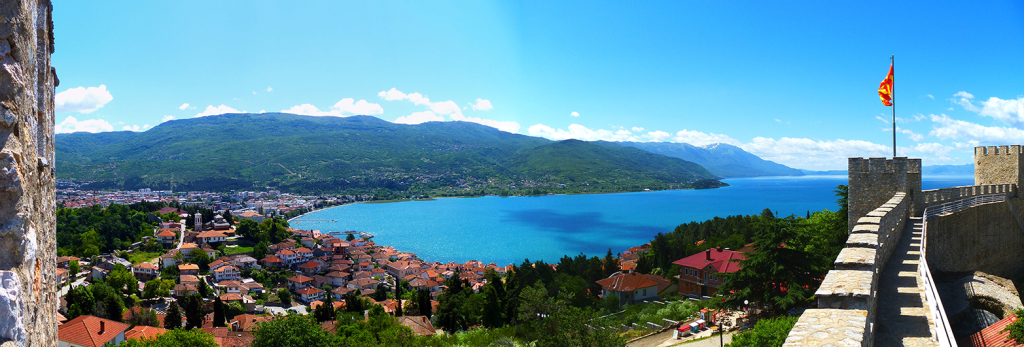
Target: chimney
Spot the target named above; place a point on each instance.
(719, 248)
(103, 327)
(708, 253)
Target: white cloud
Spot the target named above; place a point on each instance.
(574, 114)
(361, 107)
(446, 108)
(419, 117)
(953, 129)
(344, 108)
(910, 134)
(658, 136)
(508, 126)
(147, 126)
(777, 120)
(216, 110)
(70, 125)
(1010, 111)
(934, 149)
(270, 89)
(131, 128)
(183, 106)
(931, 97)
(82, 99)
(698, 138)
(391, 95)
(482, 105)
(810, 153)
(166, 118)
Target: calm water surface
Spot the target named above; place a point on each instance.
(508, 230)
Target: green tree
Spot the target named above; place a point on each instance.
(354, 301)
(175, 338)
(261, 250)
(233, 309)
(173, 318)
(325, 311)
(285, 296)
(1016, 329)
(121, 279)
(114, 307)
(450, 315)
(193, 307)
(157, 288)
(609, 264)
(293, 331)
(423, 304)
(778, 274)
(771, 332)
(218, 313)
(248, 228)
(398, 296)
(493, 294)
(350, 237)
(381, 293)
(142, 316)
(228, 218)
(204, 289)
(199, 257)
(80, 301)
(74, 268)
(170, 273)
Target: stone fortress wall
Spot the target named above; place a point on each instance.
(874, 181)
(883, 194)
(28, 251)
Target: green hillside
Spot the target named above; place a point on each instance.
(358, 155)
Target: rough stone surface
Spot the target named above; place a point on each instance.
(873, 181)
(862, 240)
(994, 294)
(998, 165)
(27, 226)
(856, 258)
(830, 327)
(10, 301)
(981, 238)
(847, 289)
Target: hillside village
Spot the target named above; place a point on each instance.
(310, 268)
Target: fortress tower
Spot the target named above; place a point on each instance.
(873, 181)
(998, 165)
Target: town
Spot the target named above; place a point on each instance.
(241, 281)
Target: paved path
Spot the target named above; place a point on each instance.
(902, 317)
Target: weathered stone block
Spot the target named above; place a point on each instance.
(862, 240)
(847, 289)
(856, 258)
(831, 327)
(865, 229)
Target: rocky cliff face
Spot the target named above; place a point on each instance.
(28, 288)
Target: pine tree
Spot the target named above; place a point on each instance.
(218, 313)
(173, 318)
(193, 305)
(398, 297)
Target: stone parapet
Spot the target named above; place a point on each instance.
(831, 327)
(856, 258)
(848, 289)
(873, 181)
(998, 165)
(940, 196)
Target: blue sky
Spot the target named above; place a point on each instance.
(795, 83)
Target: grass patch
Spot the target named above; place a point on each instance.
(237, 250)
(142, 257)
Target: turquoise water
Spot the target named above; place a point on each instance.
(507, 230)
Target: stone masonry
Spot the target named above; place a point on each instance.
(873, 181)
(28, 291)
(998, 165)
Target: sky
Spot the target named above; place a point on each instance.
(793, 82)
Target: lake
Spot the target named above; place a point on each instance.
(506, 230)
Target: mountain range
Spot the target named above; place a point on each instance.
(359, 154)
(721, 159)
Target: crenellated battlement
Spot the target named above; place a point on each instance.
(874, 180)
(999, 165)
(998, 150)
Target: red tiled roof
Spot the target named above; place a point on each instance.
(188, 267)
(309, 290)
(992, 336)
(626, 282)
(303, 250)
(246, 322)
(299, 279)
(145, 266)
(420, 325)
(85, 331)
(166, 233)
(310, 264)
(143, 332)
(721, 260)
(272, 259)
(231, 297)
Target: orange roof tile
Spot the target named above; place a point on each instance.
(143, 332)
(85, 331)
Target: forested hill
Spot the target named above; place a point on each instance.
(359, 154)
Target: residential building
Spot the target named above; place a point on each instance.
(420, 325)
(310, 294)
(630, 288)
(226, 273)
(701, 273)
(188, 269)
(145, 271)
(90, 331)
(299, 282)
(167, 236)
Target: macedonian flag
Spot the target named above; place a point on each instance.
(885, 89)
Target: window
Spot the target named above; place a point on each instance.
(645, 291)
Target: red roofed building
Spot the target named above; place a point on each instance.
(142, 332)
(702, 272)
(420, 325)
(992, 336)
(310, 294)
(90, 331)
(167, 236)
(629, 287)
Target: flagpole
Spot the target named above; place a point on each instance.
(892, 92)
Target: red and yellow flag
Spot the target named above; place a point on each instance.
(885, 89)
